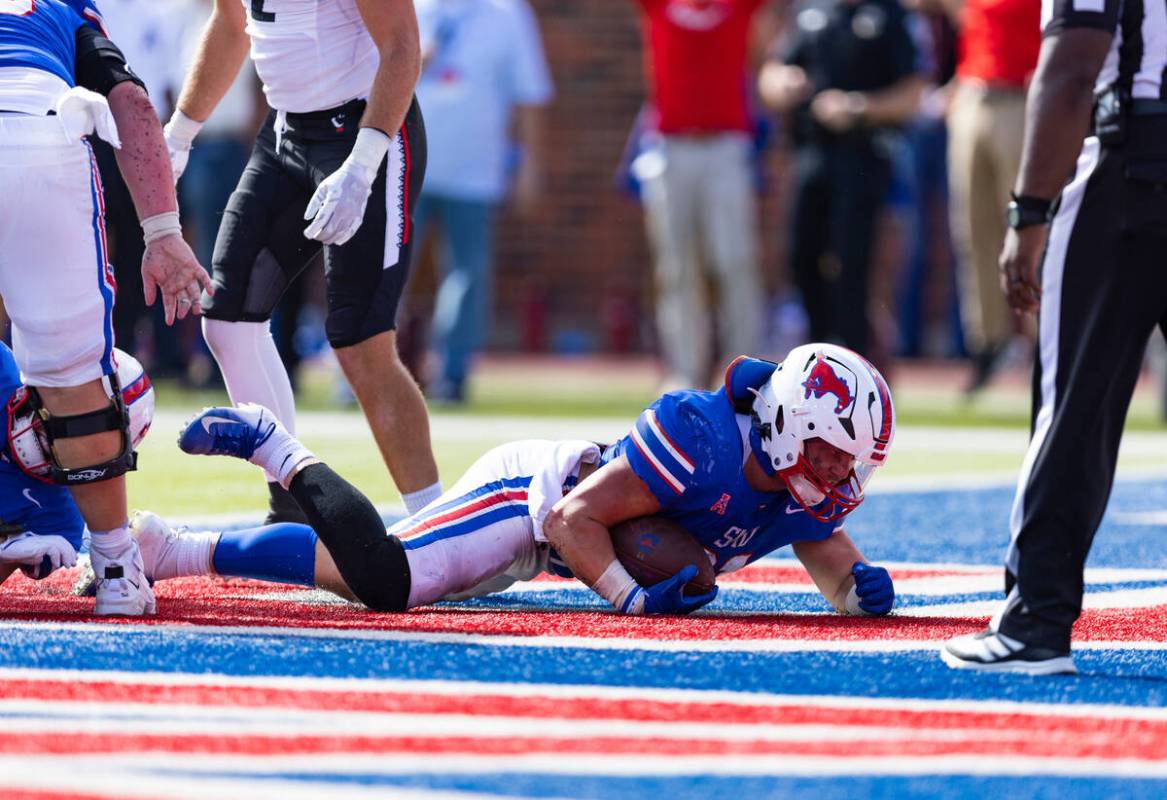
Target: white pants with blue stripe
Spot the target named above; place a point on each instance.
(55, 278)
(485, 533)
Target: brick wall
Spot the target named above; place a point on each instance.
(580, 266)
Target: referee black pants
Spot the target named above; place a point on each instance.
(1104, 291)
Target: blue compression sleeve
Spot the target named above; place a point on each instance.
(284, 553)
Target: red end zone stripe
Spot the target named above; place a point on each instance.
(1138, 747)
(564, 708)
(218, 603)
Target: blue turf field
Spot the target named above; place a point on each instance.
(764, 696)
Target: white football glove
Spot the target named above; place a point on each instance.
(31, 551)
(338, 206)
(180, 132)
(82, 112)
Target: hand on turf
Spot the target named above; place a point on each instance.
(338, 206)
(668, 596)
(169, 265)
(37, 555)
(874, 587)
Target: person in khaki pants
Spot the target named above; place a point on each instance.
(998, 46)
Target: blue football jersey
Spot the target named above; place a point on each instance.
(32, 505)
(41, 34)
(690, 448)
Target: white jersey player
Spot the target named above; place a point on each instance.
(338, 165)
(54, 276)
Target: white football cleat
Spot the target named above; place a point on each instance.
(156, 541)
(122, 588)
(171, 552)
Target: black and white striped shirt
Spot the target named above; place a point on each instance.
(1137, 60)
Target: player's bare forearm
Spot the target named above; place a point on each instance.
(393, 26)
(143, 158)
(220, 54)
(829, 562)
(1057, 110)
(577, 527)
(581, 540)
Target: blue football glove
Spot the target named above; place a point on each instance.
(668, 596)
(874, 588)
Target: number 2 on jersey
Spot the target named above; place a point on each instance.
(17, 7)
(258, 14)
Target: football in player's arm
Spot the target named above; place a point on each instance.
(779, 456)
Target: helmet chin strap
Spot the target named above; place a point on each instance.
(802, 478)
(760, 452)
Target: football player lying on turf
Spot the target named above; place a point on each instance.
(777, 456)
(40, 526)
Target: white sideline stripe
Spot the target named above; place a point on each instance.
(132, 719)
(1094, 601)
(1141, 517)
(577, 642)
(582, 691)
(58, 771)
(137, 778)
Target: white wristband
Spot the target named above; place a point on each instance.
(160, 225)
(618, 588)
(370, 148)
(181, 129)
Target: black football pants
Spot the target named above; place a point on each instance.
(1104, 291)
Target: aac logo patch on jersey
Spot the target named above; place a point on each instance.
(721, 505)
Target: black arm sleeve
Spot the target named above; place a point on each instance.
(100, 65)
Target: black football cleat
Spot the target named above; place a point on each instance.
(991, 651)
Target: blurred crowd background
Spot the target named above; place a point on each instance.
(652, 176)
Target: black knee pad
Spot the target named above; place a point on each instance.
(372, 562)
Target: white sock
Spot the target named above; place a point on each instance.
(189, 554)
(416, 501)
(280, 454)
(112, 543)
(252, 368)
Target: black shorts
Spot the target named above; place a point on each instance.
(261, 246)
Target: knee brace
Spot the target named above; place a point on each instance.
(33, 432)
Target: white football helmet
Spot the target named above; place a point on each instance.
(831, 393)
(26, 442)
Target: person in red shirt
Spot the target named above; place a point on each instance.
(998, 45)
(696, 179)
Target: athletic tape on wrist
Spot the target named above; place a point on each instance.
(851, 605)
(618, 587)
(181, 129)
(160, 225)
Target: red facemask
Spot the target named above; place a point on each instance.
(824, 501)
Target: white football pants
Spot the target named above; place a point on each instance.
(486, 531)
(55, 278)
